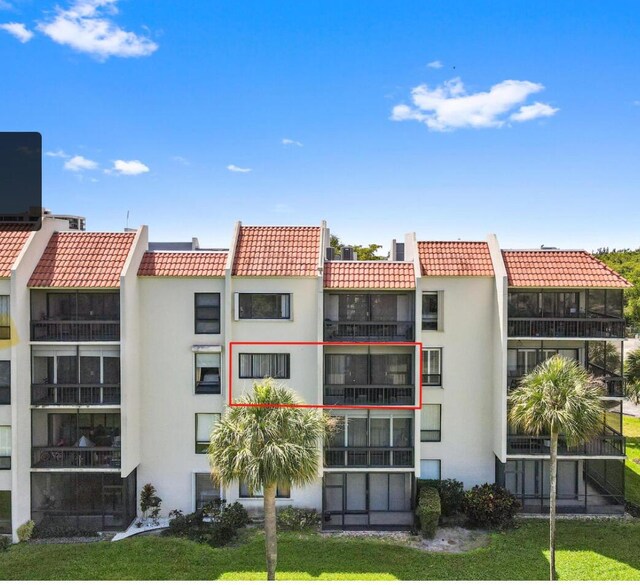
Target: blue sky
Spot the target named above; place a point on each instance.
(451, 119)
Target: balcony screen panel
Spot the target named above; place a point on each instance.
(597, 302)
(89, 370)
(379, 492)
(5, 374)
(344, 369)
(111, 368)
(614, 303)
(394, 370)
(61, 306)
(337, 439)
(399, 492)
(524, 304)
(67, 369)
(357, 432)
(43, 370)
(606, 356)
(354, 307)
(384, 307)
(356, 492)
(402, 435)
(99, 306)
(380, 432)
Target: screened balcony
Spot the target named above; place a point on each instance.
(602, 358)
(609, 442)
(75, 376)
(587, 486)
(75, 316)
(369, 317)
(371, 440)
(75, 440)
(369, 379)
(587, 313)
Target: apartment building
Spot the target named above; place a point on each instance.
(119, 356)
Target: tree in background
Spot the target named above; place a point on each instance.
(632, 371)
(559, 397)
(363, 252)
(626, 263)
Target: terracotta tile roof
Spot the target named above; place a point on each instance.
(183, 264)
(369, 275)
(12, 239)
(83, 260)
(277, 251)
(559, 268)
(455, 259)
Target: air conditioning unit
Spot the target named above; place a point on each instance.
(330, 253)
(348, 253)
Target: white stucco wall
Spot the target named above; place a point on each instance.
(466, 397)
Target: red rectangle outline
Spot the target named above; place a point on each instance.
(417, 344)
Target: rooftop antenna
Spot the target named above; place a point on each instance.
(127, 222)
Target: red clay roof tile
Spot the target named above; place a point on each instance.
(183, 264)
(559, 268)
(455, 259)
(83, 260)
(12, 239)
(277, 251)
(369, 275)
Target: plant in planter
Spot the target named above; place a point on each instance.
(150, 503)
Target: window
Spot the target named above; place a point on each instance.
(430, 423)
(207, 312)
(5, 318)
(429, 468)
(5, 447)
(283, 490)
(206, 491)
(204, 425)
(207, 373)
(432, 366)
(363, 369)
(5, 382)
(5, 512)
(264, 365)
(263, 306)
(430, 311)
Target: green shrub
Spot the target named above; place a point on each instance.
(290, 518)
(428, 511)
(150, 502)
(215, 525)
(5, 543)
(51, 531)
(490, 506)
(451, 494)
(25, 532)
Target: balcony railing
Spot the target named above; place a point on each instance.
(71, 457)
(369, 395)
(74, 394)
(542, 327)
(605, 445)
(368, 330)
(368, 457)
(75, 330)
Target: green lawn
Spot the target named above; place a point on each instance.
(602, 550)
(631, 430)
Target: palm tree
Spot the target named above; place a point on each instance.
(632, 371)
(559, 397)
(264, 446)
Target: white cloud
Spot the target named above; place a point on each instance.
(636, 103)
(283, 208)
(180, 159)
(86, 27)
(449, 106)
(536, 110)
(129, 167)
(4, 5)
(78, 163)
(435, 65)
(57, 153)
(18, 30)
(236, 169)
(289, 142)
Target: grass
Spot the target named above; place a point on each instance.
(596, 549)
(631, 429)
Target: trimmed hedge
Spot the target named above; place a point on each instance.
(290, 518)
(490, 506)
(428, 511)
(25, 532)
(5, 543)
(451, 494)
